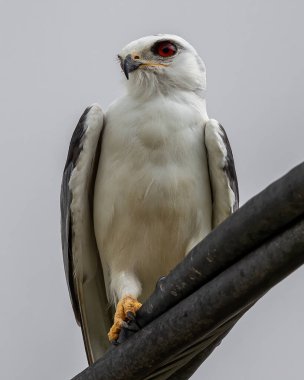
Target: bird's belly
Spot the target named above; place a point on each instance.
(152, 197)
(148, 218)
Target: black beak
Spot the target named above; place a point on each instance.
(129, 65)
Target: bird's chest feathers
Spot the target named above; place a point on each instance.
(156, 154)
(156, 133)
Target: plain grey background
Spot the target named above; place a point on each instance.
(57, 57)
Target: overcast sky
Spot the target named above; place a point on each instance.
(56, 58)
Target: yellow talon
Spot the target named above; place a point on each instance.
(126, 305)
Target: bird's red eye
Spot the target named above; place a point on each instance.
(165, 49)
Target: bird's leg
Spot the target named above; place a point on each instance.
(127, 288)
(125, 310)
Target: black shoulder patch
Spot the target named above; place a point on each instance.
(230, 169)
(76, 140)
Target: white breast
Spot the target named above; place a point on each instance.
(152, 195)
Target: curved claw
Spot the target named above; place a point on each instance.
(125, 311)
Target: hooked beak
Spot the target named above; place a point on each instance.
(129, 65)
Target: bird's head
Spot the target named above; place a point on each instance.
(158, 64)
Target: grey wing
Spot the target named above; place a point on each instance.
(224, 185)
(80, 253)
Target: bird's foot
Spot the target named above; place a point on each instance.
(125, 311)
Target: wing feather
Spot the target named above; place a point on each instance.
(223, 179)
(80, 253)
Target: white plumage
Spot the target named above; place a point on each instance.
(152, 191)
(163, 179)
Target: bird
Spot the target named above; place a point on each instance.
(143, 184)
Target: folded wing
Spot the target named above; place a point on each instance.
(81, 257)
(224, 185)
